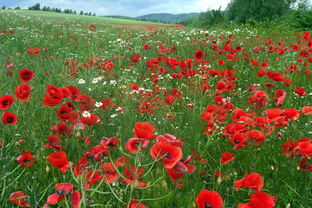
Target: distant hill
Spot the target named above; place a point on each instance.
(168, 18)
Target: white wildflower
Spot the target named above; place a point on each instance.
(98, 104)
(81, 81)
(95, 80)
(86, 114)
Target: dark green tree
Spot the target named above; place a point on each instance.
(241, 11)
(35, 7)
(81, 13)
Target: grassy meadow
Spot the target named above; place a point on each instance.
(144, 112)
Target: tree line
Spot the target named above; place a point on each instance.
(37, 7)
(52, 9)
(296, 13)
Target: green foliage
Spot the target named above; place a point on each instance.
(209, 18)
(168, 18)
(35, 7)
(302, 19)
(241, 11)
(257, 14)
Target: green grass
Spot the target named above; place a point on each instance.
(82, 18)
(67, 37)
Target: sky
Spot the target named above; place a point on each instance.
(132, 8)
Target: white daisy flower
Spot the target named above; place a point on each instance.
(95, 80)
(81, 81)
(86, 114)
(98, 104)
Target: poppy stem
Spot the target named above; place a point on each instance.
(113, 192)
(15, 179)
(154, 199)
(153, 183)
(10, 172)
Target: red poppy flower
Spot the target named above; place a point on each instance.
(273, 114)
(233, 128)
(226, 157)
(107, 104)
(136, 204)
(291, 114)
(110, 173)
(280, 95)
(300, 91)
(22, 92)
(74, 92)
(121, 161)
(92, 178)
(237, 114)
(170, 139)
(64, 112)
(259, 200)
(199, 54)
(253, 181)
(59, 161)
(304, 147)
(25, 75)
(133, 176)
(33, 51)
(53, 96)
(91, 119)
(211, 199)
(18, 198)
(261, 72)
(6, 101)
(239, 140)
(181, 168)
(86, 102)
(110, 142)
(61, 128)
(53, 143)
(75, 199)
(258, 137)
(96, 152)
(144, 130)
(168, 153)
(258, 99)
(133, 144)
(306, 110)
(170, 100)
(135, 58)
(26, 160)
(9, 118)
(61, 190)
(92, 27)
(220, 62)
(81, 166)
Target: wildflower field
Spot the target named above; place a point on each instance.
(99, 112)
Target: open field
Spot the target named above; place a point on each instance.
(123, 113)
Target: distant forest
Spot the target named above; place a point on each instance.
(37, 7)
(295, 13)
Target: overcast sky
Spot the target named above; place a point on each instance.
(131, 8)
